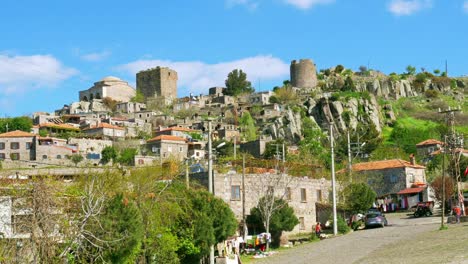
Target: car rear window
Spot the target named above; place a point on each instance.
(372, 215)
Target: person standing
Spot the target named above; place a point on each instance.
(457, 212)
(318, 229)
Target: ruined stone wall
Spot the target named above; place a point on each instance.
(156, 82)
(303, 74)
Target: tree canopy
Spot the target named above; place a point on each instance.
(237, 83)
(359, 197)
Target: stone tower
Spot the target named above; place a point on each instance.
(303, 74)
(157, 82)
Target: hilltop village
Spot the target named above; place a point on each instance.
(279, 133)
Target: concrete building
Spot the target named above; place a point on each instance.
(165, 146)
(157, 82)
(110, 86)
(303, 74)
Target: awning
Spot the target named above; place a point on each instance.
(411, 190)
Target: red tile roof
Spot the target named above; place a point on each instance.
(430, 142)
(385, 164)
(166, 137)
(182, 129)
(412, 190)
(60, 126)
(105, 125)
(15, 134)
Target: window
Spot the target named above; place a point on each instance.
(2, 156)
(319, 195)
(15, 156)
(44, 156)
(303, 195)
(301, 223)
(155, 150)
(2, 145)
(141, 162)
(14, 145)
(270, 190)
(287, 193)
(411, 177)
(235, 192)
(393, 178)
(181, 149)
(169, 149)
(59, 156)
(28, 145)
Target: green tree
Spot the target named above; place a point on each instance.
(108, 154)
(348, 84)
(281, 219)
(237, 83)
(359, 197)
(339, 68)
(127, 156)
(76, 158)
(285, 95)
(22, 123)
(122, 229)
(138, 98)
(248, 128)
(410, 70)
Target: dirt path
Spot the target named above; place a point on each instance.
(355, 247)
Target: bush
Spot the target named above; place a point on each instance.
(431, 94)
(342, 227)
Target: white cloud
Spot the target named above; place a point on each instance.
(408, 7)
(306, 4)
(198, 76)
(250, 4)
(465, 6)
(96, 56)
(24, 73)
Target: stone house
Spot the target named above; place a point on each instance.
(256, 148)
(130, 107)
(54, 150)
(301, 193)
(105, 130)
(388, 178)
(166, 146)
(133, 127)
(176, 131)
(196, 150)
(262, 98)
(223, 100)
(17, 145)
(428, 147)
(89, 148)
(54, 129)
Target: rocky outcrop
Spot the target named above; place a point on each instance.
(288, 126)
(95, 105)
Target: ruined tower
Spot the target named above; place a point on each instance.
(157, 82)
(303, 74)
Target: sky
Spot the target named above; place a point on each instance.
(51, 50)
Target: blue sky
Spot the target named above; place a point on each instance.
(50, 50)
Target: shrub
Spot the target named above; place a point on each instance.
(339, 68)
(343, 227)
(431, 94)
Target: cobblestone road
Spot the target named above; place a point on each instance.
(354, 246)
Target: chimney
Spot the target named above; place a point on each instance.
(412, 159)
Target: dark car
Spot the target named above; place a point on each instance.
(373, 219)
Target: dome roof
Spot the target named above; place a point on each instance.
(110, 79)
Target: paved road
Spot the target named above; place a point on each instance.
(356, 245)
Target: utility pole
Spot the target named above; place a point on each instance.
(454, 143)
(244, 224)
(443, 183)
(210, 180)
(335, 224)
(350, 166)
(187, 182)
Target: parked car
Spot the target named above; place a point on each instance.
(375, 218)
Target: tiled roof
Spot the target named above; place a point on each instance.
(15, 134)
(430, 142)
(60, 126)
(105, 125)
(166, 137)
(412, 190)
(385, 164)
(182, 129)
